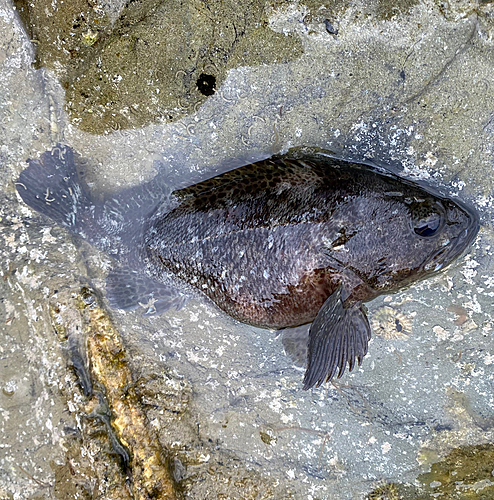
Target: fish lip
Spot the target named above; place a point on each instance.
(460, 245)
(467, 237)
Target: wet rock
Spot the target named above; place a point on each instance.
(411, 90)
(157, 62)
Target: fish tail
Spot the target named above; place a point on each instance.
(51, 186)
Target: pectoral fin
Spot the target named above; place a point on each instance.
(337, 336)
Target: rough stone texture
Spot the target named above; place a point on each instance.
(157, 61)
(410, 88)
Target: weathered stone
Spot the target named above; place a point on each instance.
(146, 66)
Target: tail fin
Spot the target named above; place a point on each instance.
(52, 187)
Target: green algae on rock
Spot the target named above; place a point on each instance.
(464, 474)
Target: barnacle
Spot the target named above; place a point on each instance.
(385, 491)
(391, 324)
(89, 38)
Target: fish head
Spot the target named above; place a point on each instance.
(397, 236)
(442, 230)
(425, 234)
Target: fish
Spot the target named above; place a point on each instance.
(299, 239)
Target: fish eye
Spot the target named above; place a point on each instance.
(427, 218)
(428, 226)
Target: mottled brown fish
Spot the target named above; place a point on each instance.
(276, 244)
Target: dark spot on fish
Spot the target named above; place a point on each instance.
(206, 84)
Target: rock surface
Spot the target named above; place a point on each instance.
(406, 87)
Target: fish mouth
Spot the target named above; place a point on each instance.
(456, 248)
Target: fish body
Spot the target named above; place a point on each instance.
(269, 242)
(277, 244)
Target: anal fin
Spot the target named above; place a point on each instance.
(337, 336)
(127, 290)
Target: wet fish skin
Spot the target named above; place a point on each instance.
(269, 242)
(276, 244)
